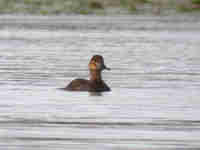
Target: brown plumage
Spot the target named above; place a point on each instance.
(95, 83)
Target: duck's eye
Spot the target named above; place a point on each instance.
(94, 61)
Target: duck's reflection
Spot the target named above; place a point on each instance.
(95, 93)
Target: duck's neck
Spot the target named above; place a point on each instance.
(95, 75)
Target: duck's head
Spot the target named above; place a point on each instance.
(97, 63)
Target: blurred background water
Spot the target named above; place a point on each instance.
(155, 82)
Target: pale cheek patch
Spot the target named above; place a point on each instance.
(92, 66)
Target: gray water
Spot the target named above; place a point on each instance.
(155, 82)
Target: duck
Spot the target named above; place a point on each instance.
(95, 82)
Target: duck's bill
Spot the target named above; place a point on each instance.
(106, 68)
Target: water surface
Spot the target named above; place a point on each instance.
(155, 82)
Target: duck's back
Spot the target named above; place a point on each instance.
(87, 85)
(78, 85)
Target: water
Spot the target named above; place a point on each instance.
(155, 82)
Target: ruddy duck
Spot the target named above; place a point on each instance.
(95, 83)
